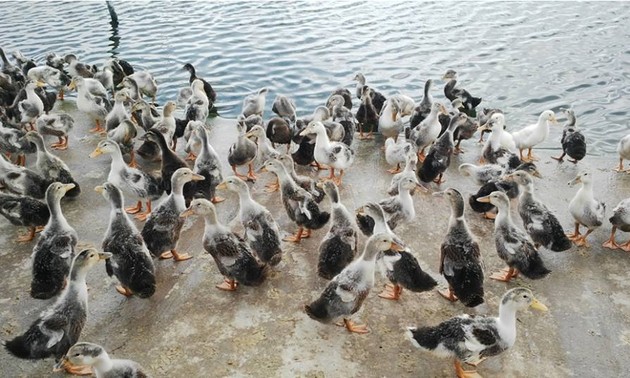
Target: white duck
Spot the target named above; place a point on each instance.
(334, 154)
(389, 122)
(623, 149)
(428, 130)
(96, 107)
(532, 135)
(396, 153)
(585, 209)
(500, 144)
(31, 107)
(255, 103)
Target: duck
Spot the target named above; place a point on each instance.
(305, 182)
(406, 104)
(198, 104)
(52, 168)
(54, 249)
(207, 165)
(367, 115)
(540, 223)
(261, 230)
(345, 293)
(106, 77)
(279, 131)
(342, 115)
(11, 70)
(249, 121)
(438, 159)
(396, 152)
(167, 124)
(131, 262)
(146, 83)
(285, 108)
(124, 136)
(428, 130)
(230, 252)
(623, 149)
(243, 152)
(533, 135)
(339, 246)
(26, 212)
(128, 84)
(472, 339)
(305, 153)
(400, 208)
(20, 180)
(12, 142)
(620, 220)
(422, 110)
(96, 357)
(265, 149)
(298, 203)
(460, 256)
(465, 131)
(121, 69)
(46, 74)
(585, 209)
(482, 174)
(334, 154)
(255, 103)
(207, 87)
(31, 107)
(118, 112)
(163, 227)
(96, 107)
(345, 94)
(59, 326)
(145, 114)
(483, 116)
(377, 98)
(500, 147)
(513, 245)
(170, 161)
(139, 184)
(390, 120)
(573, 141)
(76, 68)
(58, 125)
(451, 92)
(411, 161)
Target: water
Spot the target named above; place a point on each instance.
(521, 57)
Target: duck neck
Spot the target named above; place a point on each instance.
(507, 319)
(427, 92)
(118, 164)
(30, 94)
(503, 216)
(433, 116)
(210, 219)
(193, 73)
(495, 135)
(405, 197)
(103, 364)
(77, 277)
(322, 139)
(56, 216)
(244, 198)
(119, 105)
(543, 125)
(527, 190)
(586, 191)
(457, 210)
(42, 152)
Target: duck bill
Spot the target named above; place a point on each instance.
(536, 173)
(60, 365)
(361, 211)
(319, 185)
(68, 187)
(485, 199)
(97, 151)
(40, 84)
(422, 188)
(186, 213)
(396, 247)
(438, 194)
(303, 133)
(263, 169)
(196, 177)
(72, 86)
(99, 189)
(537, 305)
(508, 177)
(484, 127)
(104, 255)
(575, 181)
(553, 120)
(222, 185)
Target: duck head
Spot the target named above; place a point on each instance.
(583, 177)
(82, 353)
(449, 75)
(521, 298)
(106, 146)
(200, 206)
(313, 128)
(233, 184)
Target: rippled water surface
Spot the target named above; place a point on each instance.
(521, 57)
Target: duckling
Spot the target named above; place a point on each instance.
(411, 161)
(540, 223)
(305, 152)
(207, 88)
(96, 107)
(465, 131)
(623, 149)
(532, 135)
(58, 125)
(396, 152)
(163, 227)
(24, 211)
(377, 98)
(118, 112)
(406, 104)
(512, 243)
(31, 107)
(438, 159)
(106, 77)
(298, 203)
(423, 109)
(261, 230)
(472, 339)
(460, 256)
(573, 141)
(585, 209)
(207, 165)
(242, 152)
(334, 154)
(428, 130)
(52, 168)
(305, 182)
(55, 247)
(338, 248)
(12, 142)
(21, 180)
(483, 117)
(620, 220)
(139, 184)
(146, 83)
(148, 114)
(400, 208)
(255, 103)
(198, 104)
(170, 161)
(279, 131)
(167, 125)
(367, 115)
(265, 150)
(249, 121)
(284, 107)
(390, 119)
(341, 114)
(60, 325)
(230, 252)
(345, 94)
(345, 293)
(124, 136)
(451, 92)
(500, 147)
(76, 68)
(482, 174)
(96, 357)
(131, 262)
(121, 69)
(46, 74)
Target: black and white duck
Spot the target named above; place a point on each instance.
(305, 182)
(452, 92)
(399, 208)
(208, 165)
(427, 131)
(170, 162)
(103, 366)
(343, 92)
(12, 142)
(59, 326)
(438, 159)
(131, 262)
(54, 251)
(124, 135)
(424, 106)
(198, 105)
(572, 141)
(336, 155)
(367, 115)
(513, 245)
(585, 209)
(20, 180)
(341, 114)
(58, 125)
(377, 98)
(162, 230)
(472, 339)
(345, 293)
(243, 152)
(118, 113)
(397, 152)
(620, 220)
(207, 88)
(338, 248)
(411, 162)
(230, 252)
(261, 230)
(24, 211)
(460, 256)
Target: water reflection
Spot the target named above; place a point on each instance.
(115, 38)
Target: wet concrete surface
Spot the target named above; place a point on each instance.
(191, 329)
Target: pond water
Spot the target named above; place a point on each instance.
(520, 57)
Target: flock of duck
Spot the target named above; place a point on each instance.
(421, 139)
